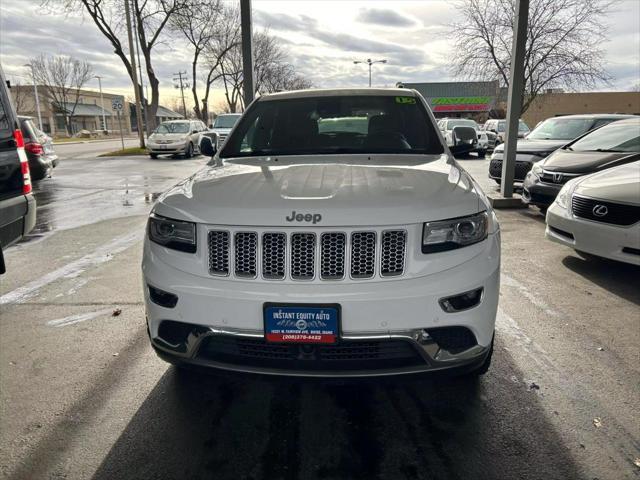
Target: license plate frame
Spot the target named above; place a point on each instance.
(291, 332)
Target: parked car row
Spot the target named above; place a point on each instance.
(183, 137)
(585, 169)
(546, 138)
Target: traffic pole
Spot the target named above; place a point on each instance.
(120, 128)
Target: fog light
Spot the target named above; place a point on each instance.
(462, 301)
(162, 298)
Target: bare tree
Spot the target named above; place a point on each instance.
(203, 24)
(62, 77)
(272, 72)
(151, 18)
(20, 95)
(564, 43)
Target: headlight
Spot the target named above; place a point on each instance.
(454, 233)
(537, 168)
(174, 234)
(564, 197)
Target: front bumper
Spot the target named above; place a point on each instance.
(601, 239)
(372, 313)
(536, 192)
(166, 148)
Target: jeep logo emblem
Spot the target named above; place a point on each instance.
(304, 217)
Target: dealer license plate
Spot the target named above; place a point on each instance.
(301, 323)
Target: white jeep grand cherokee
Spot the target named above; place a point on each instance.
(333, 235)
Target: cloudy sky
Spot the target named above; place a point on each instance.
(321, 38)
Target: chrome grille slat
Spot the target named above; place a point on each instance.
(219, 252)
(363, 254)
(274, 249)
(332, 255)
(393, 253)
(246, 254)
(303, 256)
(307, 256)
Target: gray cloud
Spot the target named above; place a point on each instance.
(384, 17)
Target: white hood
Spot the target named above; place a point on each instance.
(349, 190)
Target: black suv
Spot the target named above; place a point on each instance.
(17, 204)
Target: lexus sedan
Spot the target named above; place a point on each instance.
(599, 214)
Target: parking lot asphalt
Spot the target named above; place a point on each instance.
(82, 395)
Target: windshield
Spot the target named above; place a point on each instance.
(178, 127)
(560, 129)
(613, 138)
(461, 123)
(338, 124)
(226, 121)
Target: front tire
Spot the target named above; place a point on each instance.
(189, 152)
(153, 155)
(482, 153)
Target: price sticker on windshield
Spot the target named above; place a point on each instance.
(406, 100)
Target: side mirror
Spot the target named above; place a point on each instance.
(193, 132)
(207, 145)
(494, 131)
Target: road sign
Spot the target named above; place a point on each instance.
(117, 104)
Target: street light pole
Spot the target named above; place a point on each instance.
(370, 62)
(35, 91)
(104, 118)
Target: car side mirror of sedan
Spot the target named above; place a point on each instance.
(193, 132)
(207, 145)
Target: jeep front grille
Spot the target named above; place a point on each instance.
(306, 256)
(332, 256)
(393, 247)
(219, 252)
(303, 256)
(363, 254)
(246, 254)
(274, 248)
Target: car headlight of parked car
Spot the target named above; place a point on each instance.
(537, 168)
(454, 233)
(563, 199)
(170, 233)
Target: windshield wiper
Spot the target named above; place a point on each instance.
(608, 150)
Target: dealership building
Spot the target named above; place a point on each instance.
(459, 99)
(483, 100)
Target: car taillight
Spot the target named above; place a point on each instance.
(34, 148)
(24, 163)
(19, 139)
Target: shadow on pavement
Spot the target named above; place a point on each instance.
(619, 278)
(200, 426)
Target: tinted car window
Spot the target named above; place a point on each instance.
(614, 137)
(561, 128)
(318, 125)
(180, 127)
(226, 121)
(461, 123)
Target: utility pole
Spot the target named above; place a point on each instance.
(247, 51)
(182, 86)
(134, 74)
(369, 62)
(35, 92)
(514, 99)
(104, 118)
(145, 97)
